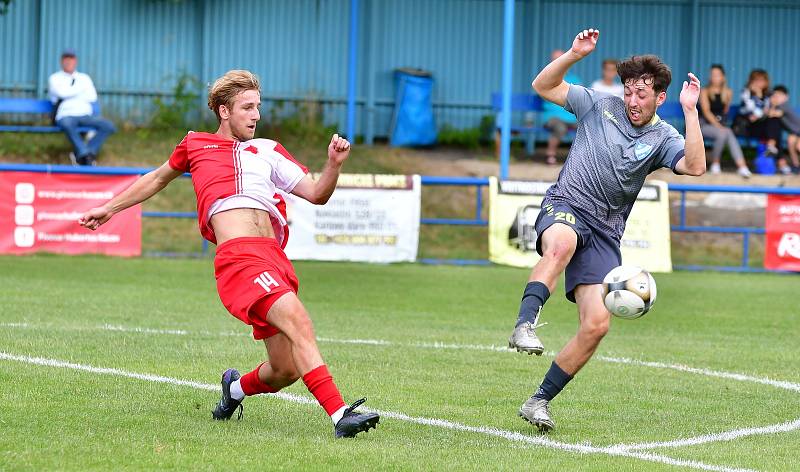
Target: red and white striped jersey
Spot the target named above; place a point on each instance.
(251, 172)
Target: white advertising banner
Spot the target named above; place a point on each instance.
(514, 207)
(369, 218)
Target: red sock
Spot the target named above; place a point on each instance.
(252, 385)
(320, 383)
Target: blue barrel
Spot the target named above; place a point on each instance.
(412, 120)
(763, 164)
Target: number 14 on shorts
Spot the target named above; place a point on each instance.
(266, 281)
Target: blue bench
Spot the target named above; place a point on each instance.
(521, 105)
(34, 106)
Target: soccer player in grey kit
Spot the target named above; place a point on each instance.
(618, 143)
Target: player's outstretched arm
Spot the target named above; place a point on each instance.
(549, 84)
(694, 161)
(145, 187)
(319, 192)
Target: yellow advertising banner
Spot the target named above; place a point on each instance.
(514, 206)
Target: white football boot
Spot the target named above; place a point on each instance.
(524, 338)
(536, 411)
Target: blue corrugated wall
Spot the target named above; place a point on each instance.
(135, 49)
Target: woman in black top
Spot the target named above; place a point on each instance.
(715, 101)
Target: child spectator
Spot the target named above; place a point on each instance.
(790, 120)
(754, 119)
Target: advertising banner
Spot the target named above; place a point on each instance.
(39, 213)
(782, 250)
(514, 206)
(369, 218)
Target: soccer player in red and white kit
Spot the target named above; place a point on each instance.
(236, 179)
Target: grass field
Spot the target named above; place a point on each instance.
(719, 353)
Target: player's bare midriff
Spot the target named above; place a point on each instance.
(240, 223)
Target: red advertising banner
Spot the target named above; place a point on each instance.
(40, 211)
(783, 233)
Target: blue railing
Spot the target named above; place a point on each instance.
(745, 231)
(477, 182)
(478, 220)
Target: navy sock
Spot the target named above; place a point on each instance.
(536, 293)
(554, 381)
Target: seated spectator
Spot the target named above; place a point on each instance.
(779, 103)
(754, 119)
(715, 101)
(556, 119)
(73, 94)
(608, 83)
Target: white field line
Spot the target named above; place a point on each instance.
(726, 436)
(717, 437)
(433, 422)
(795, 387)
(782, 384)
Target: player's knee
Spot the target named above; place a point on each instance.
(595, 328)
(294, 321)
(559, 250)
(303, 327)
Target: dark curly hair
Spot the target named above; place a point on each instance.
(648, 68)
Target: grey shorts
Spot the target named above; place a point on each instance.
(558, 128)
(597, 253)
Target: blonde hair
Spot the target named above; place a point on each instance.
(227, 87)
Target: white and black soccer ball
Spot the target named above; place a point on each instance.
(629, 292)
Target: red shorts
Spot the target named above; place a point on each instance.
(252, 273)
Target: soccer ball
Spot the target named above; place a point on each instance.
(629, 292)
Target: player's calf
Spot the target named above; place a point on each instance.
(282, 376)
(291, 318)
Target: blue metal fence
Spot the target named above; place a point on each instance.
(479, 220)
(134, 50)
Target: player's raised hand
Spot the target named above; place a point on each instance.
(338, 149)
(585, 42)
(690, 93)
(95, 217)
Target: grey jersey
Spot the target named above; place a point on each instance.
(610, 158)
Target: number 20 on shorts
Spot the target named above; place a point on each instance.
(565, 216)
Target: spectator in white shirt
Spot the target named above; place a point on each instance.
(608, 83)
(73, 94)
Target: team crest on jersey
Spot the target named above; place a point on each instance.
(252, 149)
(642, 150)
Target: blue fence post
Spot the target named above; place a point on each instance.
(683, 208)
(508, 64)
(352, 71)
(478, 201)
(205, 247)
(745, 248)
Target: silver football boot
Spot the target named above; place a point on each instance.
(524, 338)
(536, 411)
